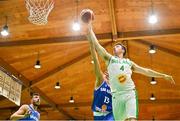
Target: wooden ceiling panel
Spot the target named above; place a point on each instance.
(47, 57)
(81, 113)
(160, 112)
(155, 61)
(133, 15)
(170, 66)
(5, 115)
(52, 114)
(60, 20)
(6, 103)
(30, 51)
(72, 79)
(171, 43)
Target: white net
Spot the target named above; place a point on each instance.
(39, 10)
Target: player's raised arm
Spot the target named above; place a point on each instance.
(101, 51)
(97, 70)
(87, 16)
(151, 73)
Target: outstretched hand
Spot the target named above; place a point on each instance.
(170, 78)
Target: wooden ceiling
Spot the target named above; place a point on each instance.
(65, 55)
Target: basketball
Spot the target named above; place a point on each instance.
(87, 15)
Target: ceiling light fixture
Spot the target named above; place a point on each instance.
(152, 49)
(71, 100)
(5, 30)
(152, 17)
(152, 97)
(76, 25)
(38, 63)
(92, 62)
(57, 86)
(153, 81)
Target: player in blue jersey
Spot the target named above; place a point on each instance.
(28, 112)
(102, 102)
(124, 98)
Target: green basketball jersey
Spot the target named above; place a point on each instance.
(120, 74)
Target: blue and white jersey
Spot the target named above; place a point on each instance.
(33, 116)
(102, 96)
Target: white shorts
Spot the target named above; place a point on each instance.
(125, 105)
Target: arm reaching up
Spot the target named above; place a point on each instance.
(97, 70)
(101, 51)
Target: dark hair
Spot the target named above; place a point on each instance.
(123, 47)
(34, 94)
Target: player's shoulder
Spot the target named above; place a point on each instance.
(101, 85)
(127, 59)
(25, 106)
(130, 62)
(114, 59)
(105, 83)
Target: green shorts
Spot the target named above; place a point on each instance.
(125, 105)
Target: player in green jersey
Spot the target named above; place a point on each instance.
(124, 98)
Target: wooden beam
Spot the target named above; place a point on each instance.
(160, 101)
(53, 40)
(126, 36)
(12, 71)
(113, 20)
(26, 82)
(175, 53)
(2, 97)
(59, 68)
(148, 34)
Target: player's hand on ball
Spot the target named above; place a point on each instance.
(87, 16)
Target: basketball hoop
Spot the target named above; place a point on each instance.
(39, 10)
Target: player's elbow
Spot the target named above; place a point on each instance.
(13, 116)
